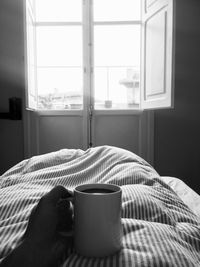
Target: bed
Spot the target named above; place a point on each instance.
(160, 215)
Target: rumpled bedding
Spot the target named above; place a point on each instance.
(187, 194)
(158, 228)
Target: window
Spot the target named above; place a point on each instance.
(116, 29)
(84, 51)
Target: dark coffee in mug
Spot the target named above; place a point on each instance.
(98, 191)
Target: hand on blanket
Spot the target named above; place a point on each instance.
(52, 215)
(42, 244)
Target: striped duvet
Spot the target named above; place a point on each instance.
(158, 228)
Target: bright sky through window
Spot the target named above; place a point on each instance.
(61, 53)
(116, 10)
(58, 10)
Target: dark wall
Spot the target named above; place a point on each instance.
(11, 80)
(177, 131)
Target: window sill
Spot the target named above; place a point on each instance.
(50, 113)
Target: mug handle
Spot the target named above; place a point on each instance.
(71, 200)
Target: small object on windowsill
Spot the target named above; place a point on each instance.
(108, 103)
(15, 110)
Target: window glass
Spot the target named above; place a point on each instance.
(56, 54)
(59, 46)
(59, 67)
(31, 81)
(58, 10)
(31, 60)
(31, 3)
(116, 10)
(116, 66)
(60, 88)
(30, 54)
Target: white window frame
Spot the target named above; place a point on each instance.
(88, 59)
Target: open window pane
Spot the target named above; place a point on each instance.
(60, 88)
(116, 66)
(31, 56)
(58, 10)
(31, 100)
(157, 69)
(116, 10)
(31, 3)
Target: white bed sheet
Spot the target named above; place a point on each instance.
(188, 195)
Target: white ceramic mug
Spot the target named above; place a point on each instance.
(97, 219)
